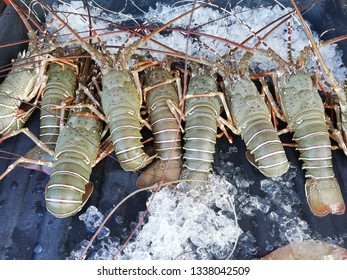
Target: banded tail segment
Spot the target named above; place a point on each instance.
(267, 153)
(252, 119)
(121, 105)
(60, 86)
(201, 127)
(304, 112)
(322, 189)
(165, 128)
(200, 140)
(77, 147)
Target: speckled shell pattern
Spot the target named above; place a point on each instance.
(252, 119)
(304, 112)
(17, 86)
(165, 129)
(121, 104)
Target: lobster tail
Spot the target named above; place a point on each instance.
(66, 191)
(77, 147)
(324, 196)
(160, 171)
(165, 128)
(266, 150)
(252, 119)
(166, 133)
(60, 86)
(194, 177)
(322, 189)
(200, 140)
(121, 106)
(305, 115)
(126, 138)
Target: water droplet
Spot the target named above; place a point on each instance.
(14, 185)
(38, 189)
(39, 209)
(119, 219)
(38, 249)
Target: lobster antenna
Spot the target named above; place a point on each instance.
(97, 56)
(116, 13)
(335, 84)
(289, 45)
(31, 10)
(31, 31)
(161, 28)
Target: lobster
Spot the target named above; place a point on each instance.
(61, 83)
(162, 100)
(76, 152)
(21, 85)
(122, 97)
(339, 90)
(251, 119)
(304, 112)
(203, 104)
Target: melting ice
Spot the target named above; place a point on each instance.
(93, 219)
(182, 223)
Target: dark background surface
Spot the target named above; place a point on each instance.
(28, 231)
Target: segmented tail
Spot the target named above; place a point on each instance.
(121, 105)
(252, 119)
(305, 115)
(60, 86)
(77, 147)
(200, 140)
(165, 128)
(265, 148)
(201, 128)
(322, 189)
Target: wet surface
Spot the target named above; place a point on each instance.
(28, 231)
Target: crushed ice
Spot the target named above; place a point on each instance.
(199, 223)
(228, 27)
(93, 219)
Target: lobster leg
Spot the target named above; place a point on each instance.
(46, 165)
(28, 133)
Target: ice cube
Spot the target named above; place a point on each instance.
(92, 218)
